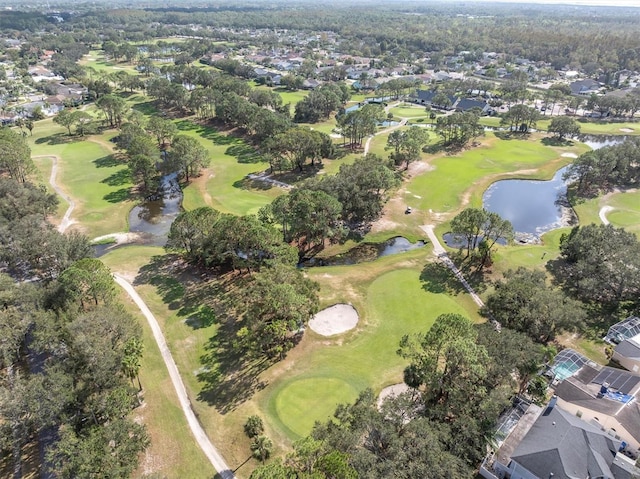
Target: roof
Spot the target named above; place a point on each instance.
(625, 329)
(570, 448)
(467, 104)
(429, 95)
(619, 400)
(629, 348)
(581, 86)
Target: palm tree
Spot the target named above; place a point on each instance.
(131, 360)
(261, 447)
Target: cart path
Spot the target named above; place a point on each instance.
(66, 219)
(603, 214)
(441, 254)
(402, 123)
(201, 437)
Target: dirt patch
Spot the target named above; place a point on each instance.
(627, 130)
(335, 319)
(569, 155)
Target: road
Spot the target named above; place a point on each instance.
(214, 456)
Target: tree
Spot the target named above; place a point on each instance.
(113, 108)
(164, 130)
(65, 118)
(481, 229)
(105, 452)
(357, 124)
(407, 145)
(520, 118)
(29, 125)
(143, 171)
(188, 156)
(563, 126)
(253, 427)
(601, 265)
(15, 155)
(361, 188)
(261, 448)
(190, 232)
(525, 303)
(88, 281)
(141, 145)
(131, 365)
(81, 120)
(310, 218)
(280, 303)
(459, 128)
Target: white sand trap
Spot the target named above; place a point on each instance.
(119, 238)
(626, 130)
(569, 155)
(392, 391)
(335, 319)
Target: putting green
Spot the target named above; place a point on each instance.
(305, 401)
(396, 303)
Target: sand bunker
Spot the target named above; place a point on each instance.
(335, 319)
(569, 155)
(626, 130)
(118, 238)
(392, 391)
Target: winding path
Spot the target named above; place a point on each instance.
(441, 253)
(66, 219)
(214, 456)
(603, 214)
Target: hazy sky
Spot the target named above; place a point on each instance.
(608, 3)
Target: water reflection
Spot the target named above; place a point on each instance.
(533, 207)
(366, 252)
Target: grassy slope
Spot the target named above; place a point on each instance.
(88, 173)
(471, 172)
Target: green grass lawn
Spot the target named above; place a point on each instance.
(96, 60)
(625, 213)
(472, 171)
(407, 111)
(88, 172)
(594, 127)
(173, 452)
(393, 304)
(223, 185)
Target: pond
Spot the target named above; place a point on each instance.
(595, 142)
(150, 221)
(533, 207)
(366, 252)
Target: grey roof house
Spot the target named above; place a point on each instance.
(560, 445)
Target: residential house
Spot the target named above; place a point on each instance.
(425, 97)
(604, 396)
(584, 87)
(466, 104)
(311, 84)
(625, 336)
(551, 443)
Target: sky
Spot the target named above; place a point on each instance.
(608, 3)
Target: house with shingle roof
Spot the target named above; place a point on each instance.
(559, 445)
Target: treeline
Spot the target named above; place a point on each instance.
(461, 377)
(541, 34)
(276, 300)
(69, 354)
(602, 170)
